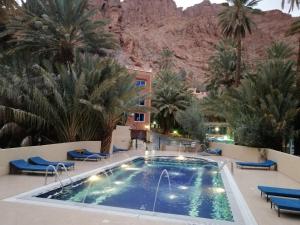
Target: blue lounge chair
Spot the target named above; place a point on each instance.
(40, 161)
(87, 152)
(285, 204)
(279, 192)
(79, 156)
(215, 151)
(266, 164)
(116, 149)
(19, 166)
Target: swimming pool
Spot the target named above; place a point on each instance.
(188, 186)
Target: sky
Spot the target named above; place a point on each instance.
(264, 5)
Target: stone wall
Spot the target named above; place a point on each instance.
(287, 164)
(55, 152)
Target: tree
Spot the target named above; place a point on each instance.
(292, 3)
(280, 50)
(192, 121)
(262, 110)
(110, 102)
(82, 101)
(170, 96)
(235, 23)
(295, 30)
(166, 59)
(56, 29)
(222, 66)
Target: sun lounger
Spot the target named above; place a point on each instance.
(40, 161)
(79, 156)
(285, 204)
(266, 164)
(19, 166)
(216, 151)
(279, 192)
(116, 149)
(87, 152)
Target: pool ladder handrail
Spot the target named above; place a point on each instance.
(57, 176)
(61, 165)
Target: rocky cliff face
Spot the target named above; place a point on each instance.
(145, 27)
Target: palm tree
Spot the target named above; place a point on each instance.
(235, 23)
(111, 102)
(222, 66)
(170, 96)
(56, 29)
(78, 102)
(295, 30)
(166, 59)
(292, 3)
(263, 108)
(280, 50)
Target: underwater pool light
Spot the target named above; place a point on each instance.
(219, 190)
(182, 187)
(181, 157)
(93, 178)
(172, 196)
(118, 182)
(124, 166)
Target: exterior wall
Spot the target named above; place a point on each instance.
(121, 138)
(237, 152)
(286, 163)
(55, 152)
(146, 91)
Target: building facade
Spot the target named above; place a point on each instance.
(140, 120)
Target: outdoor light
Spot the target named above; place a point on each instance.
(154, 123)
(147, 127)
(217, 129)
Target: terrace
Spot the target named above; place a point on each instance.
(35, 213)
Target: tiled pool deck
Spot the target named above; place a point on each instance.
(13, 213)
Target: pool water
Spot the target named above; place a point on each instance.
(196, 188)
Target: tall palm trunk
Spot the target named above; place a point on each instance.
(298, 66)
(238, 61)
(106, 141)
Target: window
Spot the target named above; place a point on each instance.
(141, 102)
(139, 117)
(140, 83)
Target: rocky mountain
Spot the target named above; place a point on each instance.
(145, 27)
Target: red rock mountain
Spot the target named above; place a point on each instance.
(145, 27)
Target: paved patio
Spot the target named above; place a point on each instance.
(13, 213)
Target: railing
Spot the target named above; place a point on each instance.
(61, 165)
(57, 176)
